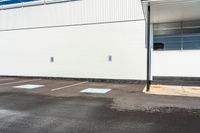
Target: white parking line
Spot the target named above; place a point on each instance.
(23, 81)
(4, 79)
(69, 86)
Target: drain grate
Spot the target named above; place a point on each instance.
(28, 86)
(96, 90)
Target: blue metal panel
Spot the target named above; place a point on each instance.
(7, 2)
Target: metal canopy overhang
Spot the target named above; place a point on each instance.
(163, 11)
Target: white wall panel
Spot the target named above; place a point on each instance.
(79, 51)
(176, 63)
(68, 13)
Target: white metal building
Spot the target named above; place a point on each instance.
(103, 39)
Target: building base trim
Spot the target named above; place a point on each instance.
(176, 80)
(130, 81)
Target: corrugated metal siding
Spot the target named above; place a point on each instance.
(70, 13)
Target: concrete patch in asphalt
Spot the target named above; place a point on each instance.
(96, 90)
(28, 86)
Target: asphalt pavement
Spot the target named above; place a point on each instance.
(125, 109)
(31, 113)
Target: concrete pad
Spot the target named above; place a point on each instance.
(192, 91)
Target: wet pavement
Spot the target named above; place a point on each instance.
(125, 110)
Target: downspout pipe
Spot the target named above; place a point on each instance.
(148, 81)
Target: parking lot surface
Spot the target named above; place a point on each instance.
(59, 107)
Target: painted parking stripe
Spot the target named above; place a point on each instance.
(23, 81)
(64, 87)
(7, 79)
